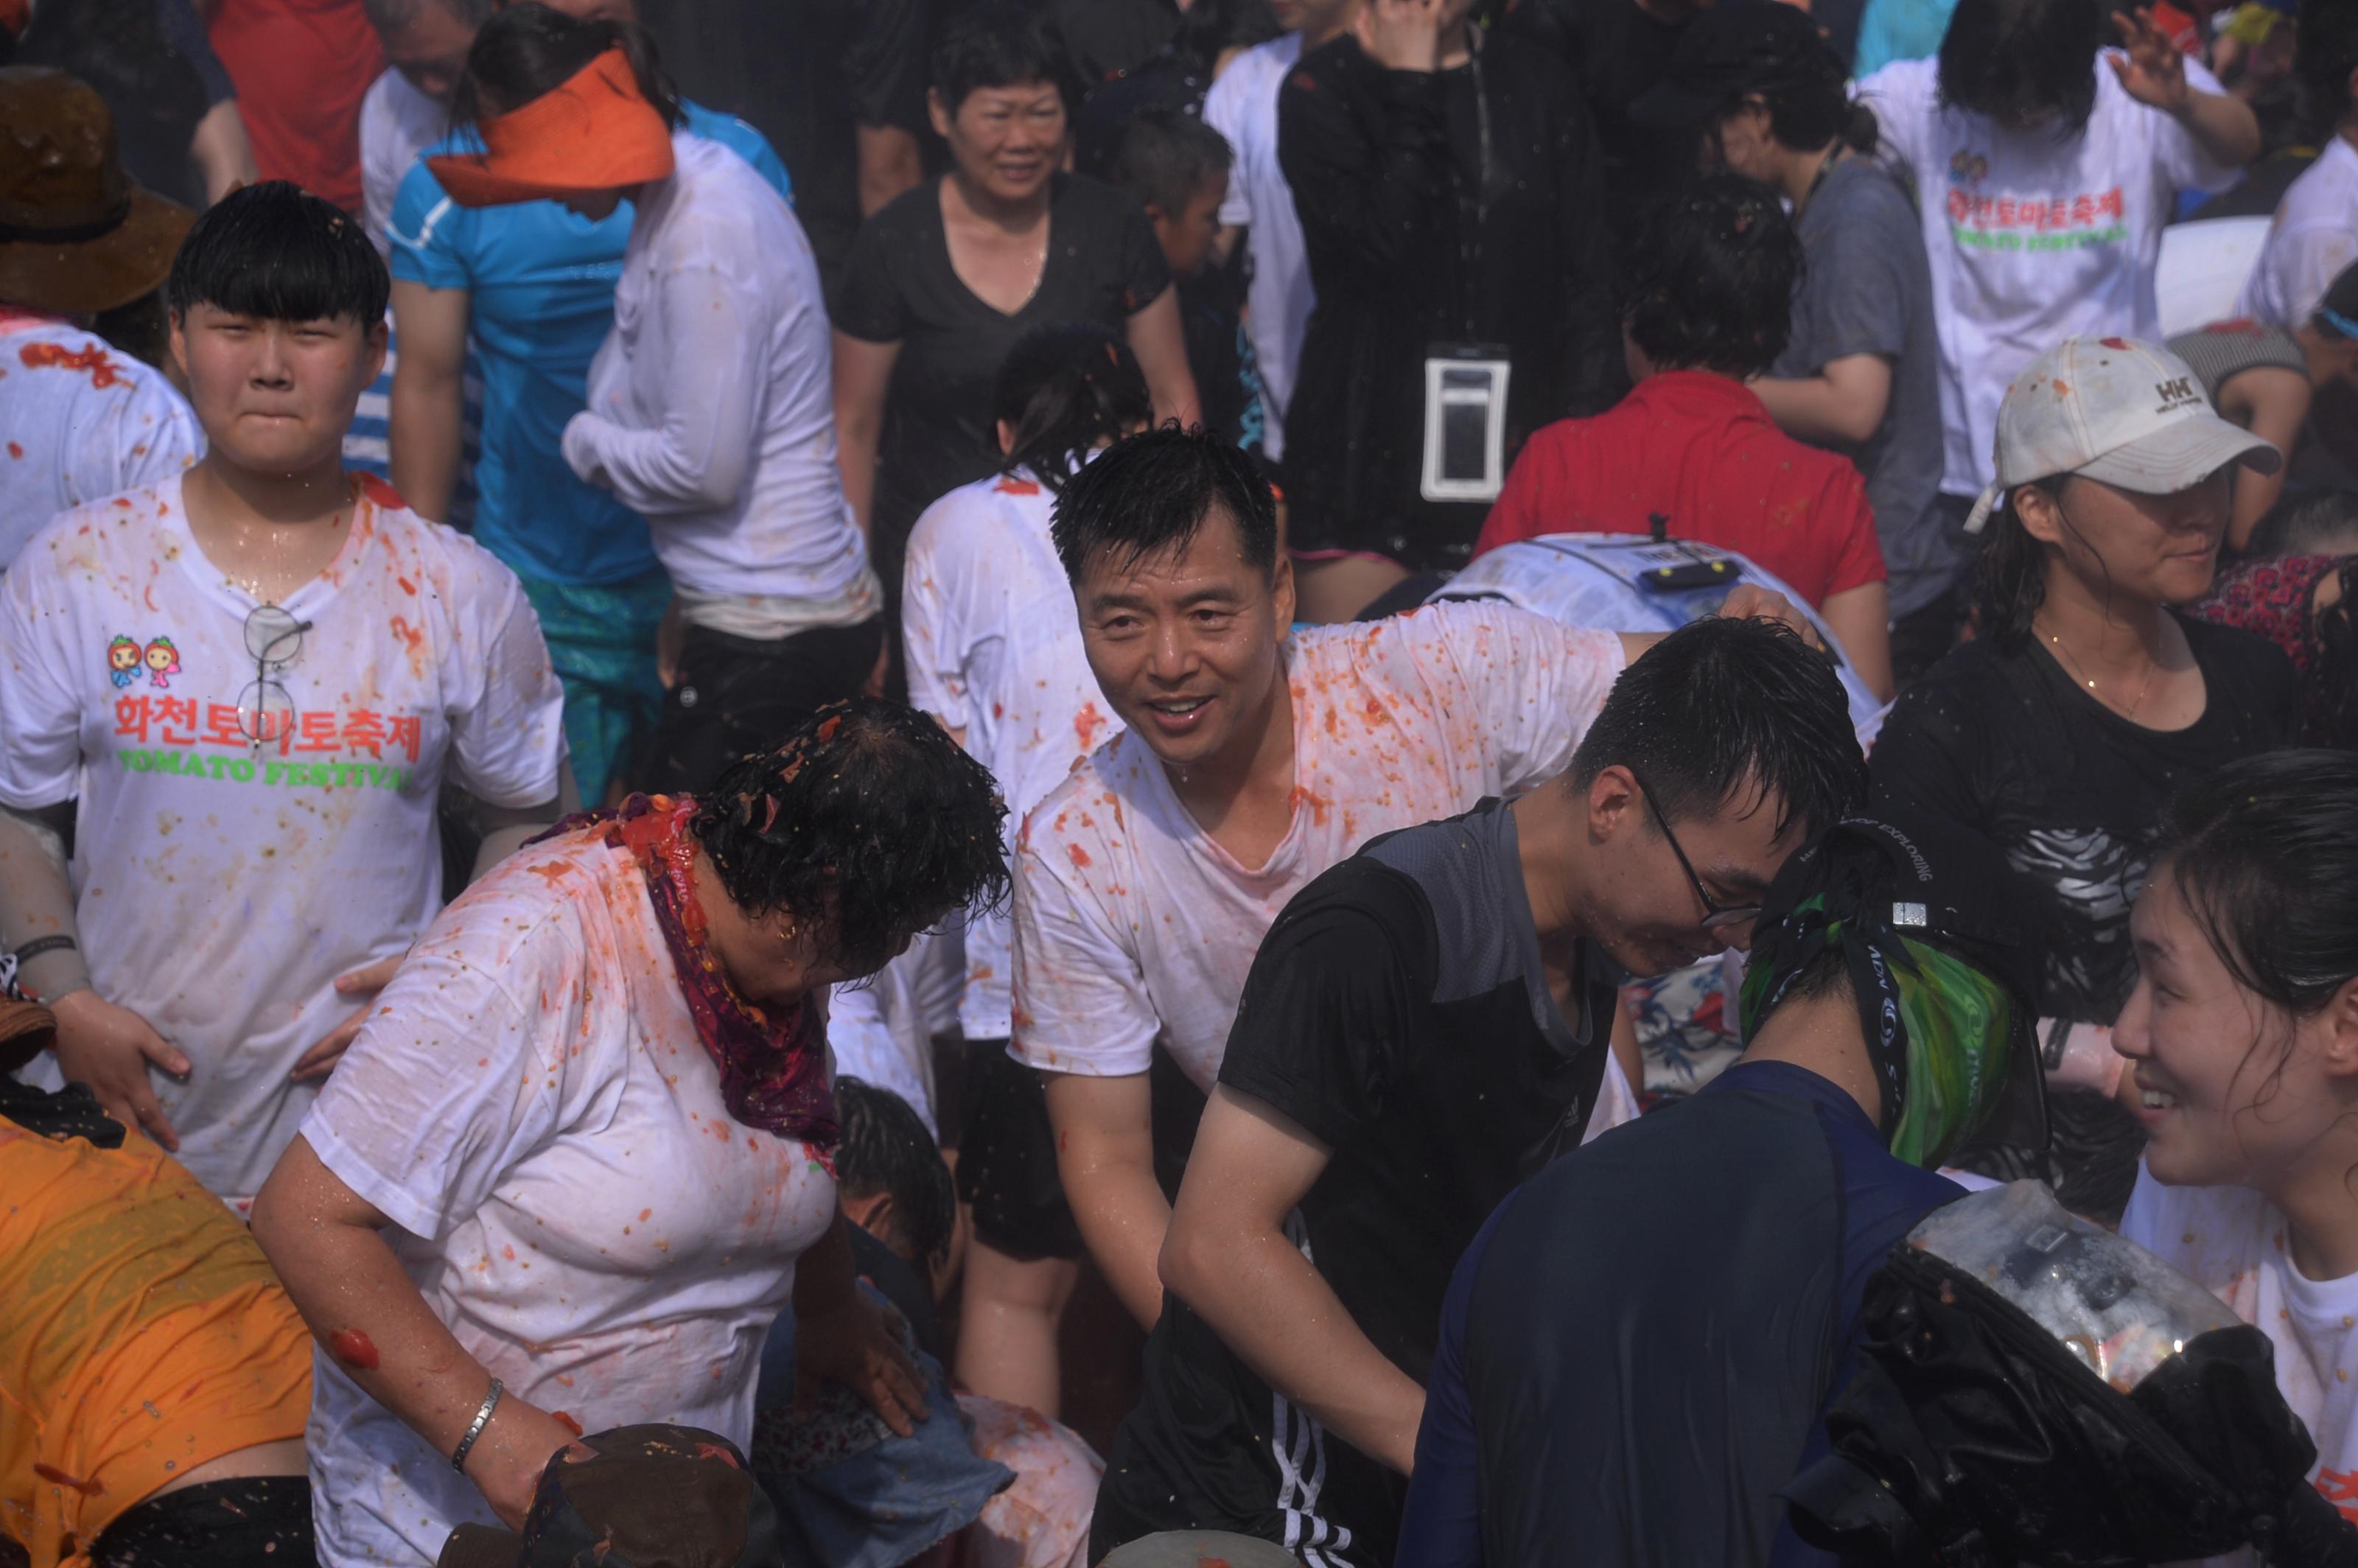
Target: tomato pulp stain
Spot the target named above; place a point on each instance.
(103, 372)
(59, 1477)
(353, 1348)
(565, 1419)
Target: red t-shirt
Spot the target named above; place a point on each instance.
(301, 68)
(1701, 450)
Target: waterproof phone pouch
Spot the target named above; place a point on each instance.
(1465, 422)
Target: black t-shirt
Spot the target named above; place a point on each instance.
(1617, 52)
(1399, 1011)
(808, 76)
(2008, 744)
(1446, 207)
(1104, 265)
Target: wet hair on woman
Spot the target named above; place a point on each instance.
(1065, 388)
(2265, 854)
(1808, 101)
(999, 43)
(884, 1147)
(1711, 279)
(2025, 64)
(868, 819)
(1150, 493)
(2010, 573)
(530, 50)
(276, 253)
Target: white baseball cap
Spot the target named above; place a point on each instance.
(2117, 410)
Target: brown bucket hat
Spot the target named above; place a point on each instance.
(76, 236)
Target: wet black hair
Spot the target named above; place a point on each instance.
(276, 252)
(2010, 573)
(529, 51)
(1809, 105)
(1151, 492)
(882, 1146)
(1064, 387)
(2325, 53)
(999, 43)
(2334, 669)
(866, 818)
(2264, 852)
(2318, 523)
(1167, 158)
(1711, 279)
(1723, 707)
(2020, 62)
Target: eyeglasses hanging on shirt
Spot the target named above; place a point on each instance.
(266, 709)
(1465, 382)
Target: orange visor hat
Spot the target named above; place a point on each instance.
(595, 133)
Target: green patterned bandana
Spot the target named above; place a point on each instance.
(1939, 1030)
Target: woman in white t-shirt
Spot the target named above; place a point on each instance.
(238, 694)
(710, 405)
(994, 652)
(2044, 175)
(581, 1154)
(2243, 1039)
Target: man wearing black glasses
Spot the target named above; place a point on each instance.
(1425, 1026)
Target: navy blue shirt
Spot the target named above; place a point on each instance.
(1638, 1348)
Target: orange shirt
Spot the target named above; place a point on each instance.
(144, 1335)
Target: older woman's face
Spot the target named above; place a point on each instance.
(1008, 140)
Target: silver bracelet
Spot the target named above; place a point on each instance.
(482, 1414)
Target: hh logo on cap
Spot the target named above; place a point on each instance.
(2175, 395)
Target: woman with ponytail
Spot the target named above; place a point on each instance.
(710, 405)
(1766, 97)
(994, 652)
(2088, 700)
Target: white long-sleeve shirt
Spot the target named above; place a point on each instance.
(710, 408)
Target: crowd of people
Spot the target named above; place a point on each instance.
(1051, 782)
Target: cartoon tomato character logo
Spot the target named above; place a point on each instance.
(162, 660)
(122, 660)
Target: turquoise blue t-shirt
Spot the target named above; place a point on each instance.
(542, 284)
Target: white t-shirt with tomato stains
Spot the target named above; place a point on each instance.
(2232, 1241)
(994, 649)
(222, 885)
(1131, 924)
(2033, 235)
(80, 420)
(531, 1107)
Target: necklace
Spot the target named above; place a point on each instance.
(2080, 672)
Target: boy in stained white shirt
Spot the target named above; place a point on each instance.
(240, 692)
(1254, 760)
(994, 653)
(78, 420)
(710, 405)
(2315, 234)
(1242, 106)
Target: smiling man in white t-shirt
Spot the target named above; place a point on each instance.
(239, 691)
(1253, 760)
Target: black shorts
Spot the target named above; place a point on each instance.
(231, 1524)
(738, 695)
(1007, 1158)
(1006, 1150)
